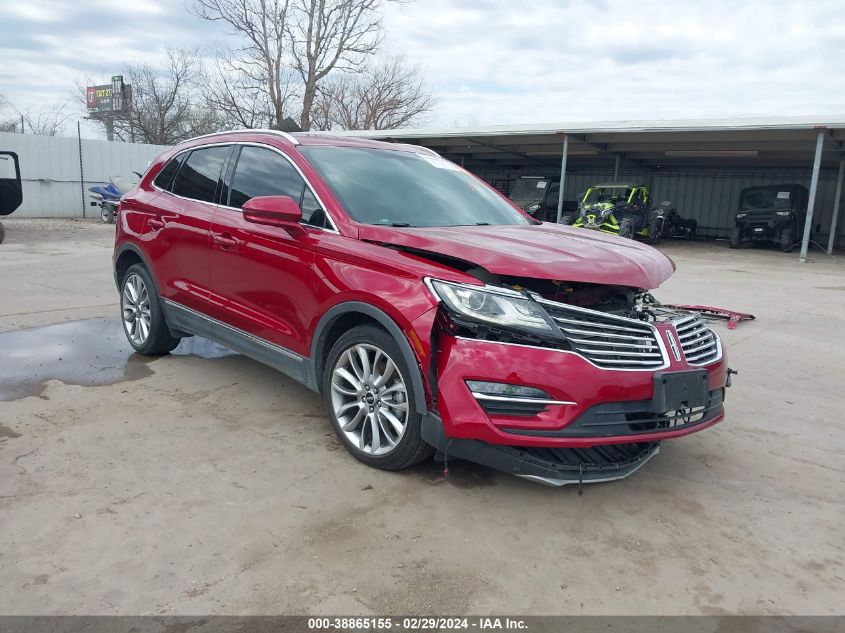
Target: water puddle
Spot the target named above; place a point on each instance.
(91, 352)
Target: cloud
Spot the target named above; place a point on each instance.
(497, 61)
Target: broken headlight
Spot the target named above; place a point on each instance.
(495, 306)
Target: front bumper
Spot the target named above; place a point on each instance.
(589, 406)
(553, 467)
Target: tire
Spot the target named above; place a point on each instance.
(736, 238)
(567, 219)
(2, 234)
(655, 230)
(691, 226)
(105, 214)
(786, 240)
(350, 388)
(141, 314)
(626, 228)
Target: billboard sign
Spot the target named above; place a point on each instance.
(113, 97)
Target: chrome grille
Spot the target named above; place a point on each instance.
(698, 341)
(608, 341)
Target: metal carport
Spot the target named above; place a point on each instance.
(763, 151)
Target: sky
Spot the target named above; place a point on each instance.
(494, 62)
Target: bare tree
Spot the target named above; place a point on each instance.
(253, 85)
(49, 121)
(327, 35)
(9, 119)
(281, 38)
(241, 101)
(167, 104)
(384, 96)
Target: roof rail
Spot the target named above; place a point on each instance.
(284, 135)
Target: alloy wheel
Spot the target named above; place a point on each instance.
(370, 399)
(135, 304)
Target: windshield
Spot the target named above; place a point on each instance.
(766, 198)
(528, 190)
(395, 188)
(613, 195)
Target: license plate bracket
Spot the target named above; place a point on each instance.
(679, 390)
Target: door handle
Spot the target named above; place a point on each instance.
(225, 241)
(155, 223)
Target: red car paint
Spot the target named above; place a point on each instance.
(277, 286)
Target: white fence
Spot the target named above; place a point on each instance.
(51, 171)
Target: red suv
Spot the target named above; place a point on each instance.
(430, 313)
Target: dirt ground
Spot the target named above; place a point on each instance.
(205, 483)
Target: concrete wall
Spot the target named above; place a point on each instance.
(711, 196)
(50, 170)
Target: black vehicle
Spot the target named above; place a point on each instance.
(674, 226)
(11, 192)
(538, 197)
(773, 213)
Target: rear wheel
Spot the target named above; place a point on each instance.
(143, 319)
(106, 214)
(567, 219)
(786, 240)
(626, 228)
(655, 230)
(736, 238)
(367, 389)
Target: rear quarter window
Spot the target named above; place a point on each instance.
(164, 180)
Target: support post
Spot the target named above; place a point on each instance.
(616, 169)
(81, 171)
(562, 177)
(109, 129)
(814, 186)
(835, 218)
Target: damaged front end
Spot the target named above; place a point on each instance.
(566, 382)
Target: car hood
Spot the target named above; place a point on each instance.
(544, 251)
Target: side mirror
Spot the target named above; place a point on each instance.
(11, 190)
(280, 211)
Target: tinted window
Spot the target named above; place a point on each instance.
(165, 176)
(263, 172)
(200, 173)
(407, 189)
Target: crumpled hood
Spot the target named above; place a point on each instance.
(545, 251)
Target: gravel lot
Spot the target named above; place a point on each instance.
(205, 483)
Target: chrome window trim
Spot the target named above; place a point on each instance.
(308, 184)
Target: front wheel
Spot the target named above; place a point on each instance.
(567, 219)
(626, 228)
(786, 240)
(736, 238)
(367, 389)
(143, 318)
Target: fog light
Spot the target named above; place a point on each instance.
(504, 389)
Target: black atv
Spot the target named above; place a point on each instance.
(773, 213)
(674, 226)
(11, 193)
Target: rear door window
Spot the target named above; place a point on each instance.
(200, 175)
